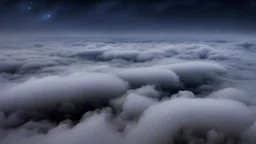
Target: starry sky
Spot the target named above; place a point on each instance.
(127, 15)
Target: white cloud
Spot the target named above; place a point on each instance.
(135, 105)
(51, 90)
(150, 76)
(233, 94)
(119, 54)
(196, 72)
(148, 91)
(161, 122)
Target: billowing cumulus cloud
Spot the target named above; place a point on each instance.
(135, 105)
(233, 94)
(163, 121)
(194, 73)
(49, 91)
(127, 91)
(144, 76)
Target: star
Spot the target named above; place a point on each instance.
(47, 16)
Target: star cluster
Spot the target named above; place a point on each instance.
(35, 7)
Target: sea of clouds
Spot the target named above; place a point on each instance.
(127, 91)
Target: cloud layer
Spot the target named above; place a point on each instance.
(127, 92)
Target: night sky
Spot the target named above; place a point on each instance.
(127, 15)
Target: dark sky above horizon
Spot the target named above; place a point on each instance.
(127, 15)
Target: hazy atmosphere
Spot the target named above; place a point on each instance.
(127, 72)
